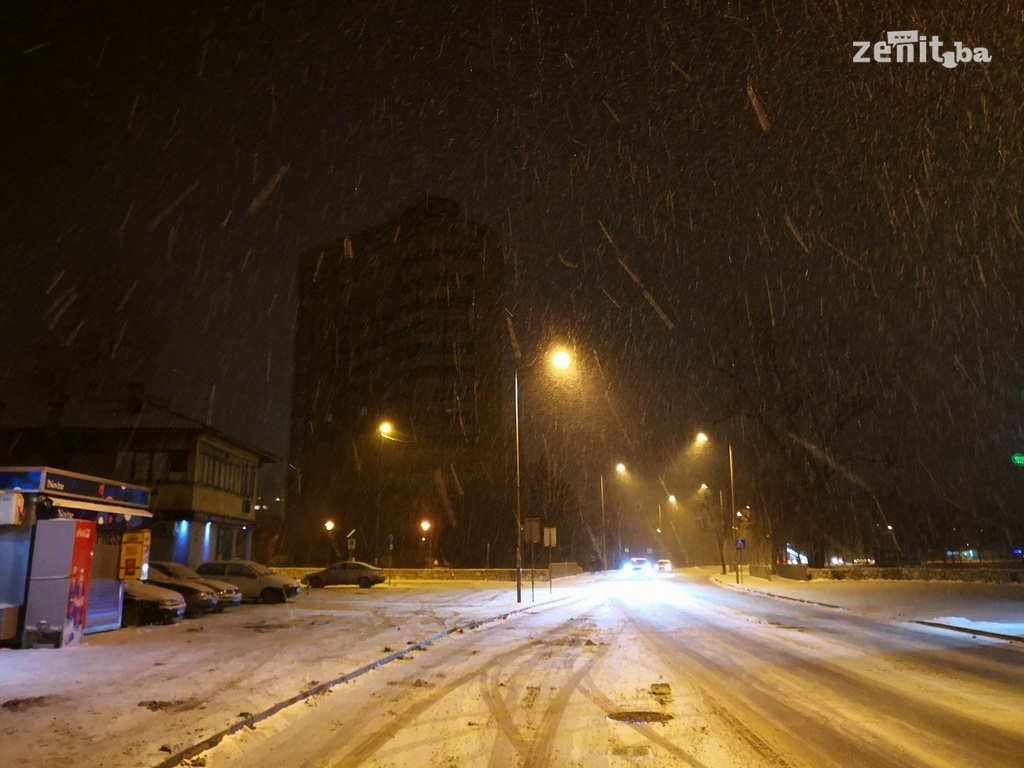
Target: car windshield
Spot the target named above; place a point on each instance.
(177, 570)
(260, 569)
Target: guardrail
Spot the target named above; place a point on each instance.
(558, 570)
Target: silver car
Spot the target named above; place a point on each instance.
(256, 581)
(227, 594)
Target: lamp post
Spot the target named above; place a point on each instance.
(384, 429)
(329, 527)
(562, 361)
(703, 438)
(425, 527)
(620, 469)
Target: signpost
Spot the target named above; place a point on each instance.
(741, 544)
(550, 541)
(532, 536)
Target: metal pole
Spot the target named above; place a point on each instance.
(732, 513)
(519, 501)
(604, 538)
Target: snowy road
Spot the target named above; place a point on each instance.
(696, 675)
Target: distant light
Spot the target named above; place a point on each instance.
(329, 525)
(1018, 459)
(703, 486)
(620, 468)
(672, 498)
(658, 530)
(889, 527)
(278, 498)
(561, 359)
(701, 437)
(425, 525)
(245, 528)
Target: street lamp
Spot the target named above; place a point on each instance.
(329, 527)
(425, 527)
(620, 469)
(701, 439)
(561, 360)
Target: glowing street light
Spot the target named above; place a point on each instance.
(329, 525)
(620, 468)
(671, 498)
(385, 428)
(561, 359)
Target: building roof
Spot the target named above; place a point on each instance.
(113, 415)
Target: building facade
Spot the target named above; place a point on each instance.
(402, 325)
(204, 482)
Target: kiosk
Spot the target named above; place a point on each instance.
(64, 549)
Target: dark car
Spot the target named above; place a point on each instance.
(149, 604)
(352, 572)
(199, 598)
(227, 594)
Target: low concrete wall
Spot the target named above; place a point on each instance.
(558, 570)
(973, 574)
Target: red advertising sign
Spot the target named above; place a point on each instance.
(78, 586)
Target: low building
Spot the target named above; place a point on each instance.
(204, 481)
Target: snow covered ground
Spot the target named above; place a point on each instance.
(136, 696)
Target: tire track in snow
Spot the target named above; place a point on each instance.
(524, 652)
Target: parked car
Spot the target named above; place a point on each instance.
(665, 566)
(352, 572)
(199, 599)
(256, 581)
(149, 604)
(227, 593)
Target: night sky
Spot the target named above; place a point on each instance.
(735, 226)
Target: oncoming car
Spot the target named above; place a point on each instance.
(637, 568)
(663, 566)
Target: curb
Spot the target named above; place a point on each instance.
(250, 722)
(760, 593)
(932, 624)
(969, 631)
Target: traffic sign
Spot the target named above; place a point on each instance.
(532, 530)
(741, 543)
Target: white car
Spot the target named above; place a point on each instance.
(256, 581)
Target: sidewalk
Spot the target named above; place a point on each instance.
(985, 608)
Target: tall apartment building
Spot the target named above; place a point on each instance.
(402, 324)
